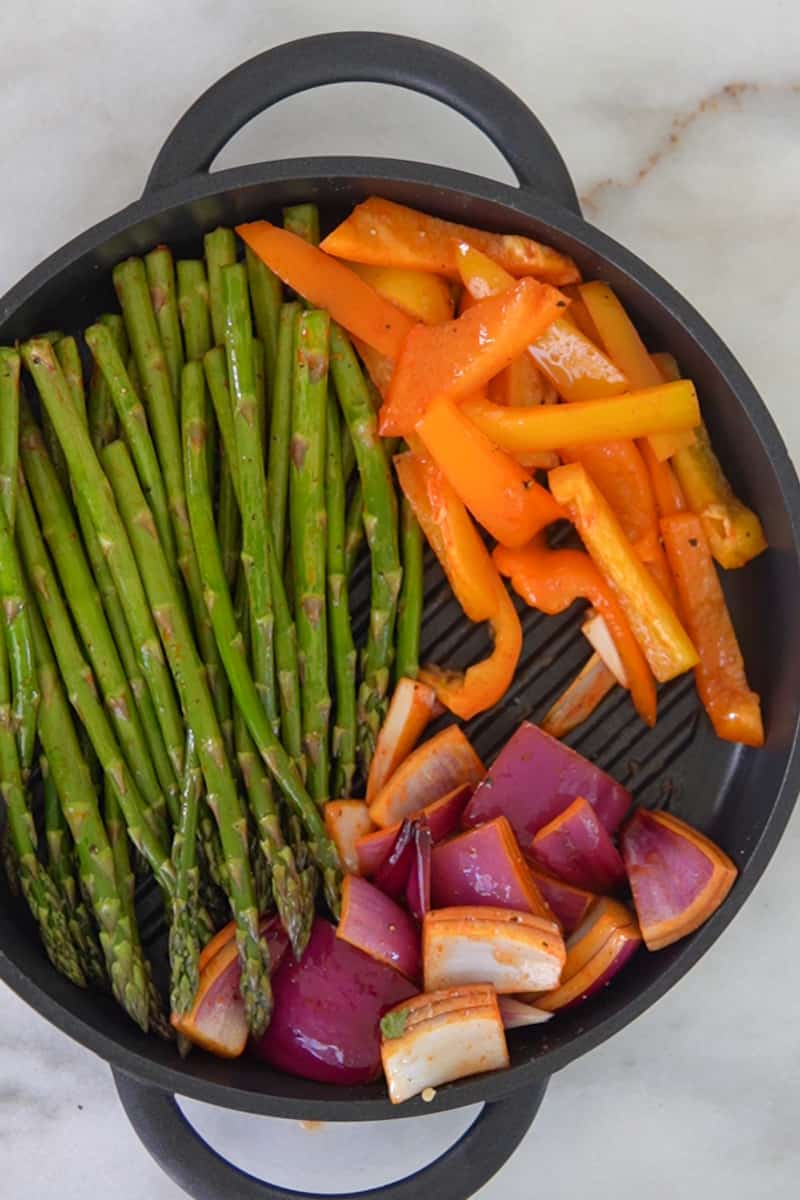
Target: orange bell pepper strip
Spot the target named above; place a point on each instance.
(552, 580)
(655, 625)
(575, 366)
(391, 235)
(326, 283)
(521, 385)
(579, 699)
(456, 358)
(666, 488)
(734, 709)
(625, 348)
(546, 427)
(475, 582)
(501, 495)
(379, 368)
(424, 297)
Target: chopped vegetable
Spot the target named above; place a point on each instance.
(605, 941)
(441, 764)
(412, 707)
(678, 877)
(455, 358)
(372, 922)
(535, 777)
(598, 635)
(517, 1014)
(667, 490)
(326, 283)
(328, 1010)
(576, 848)
(387, 234)
(442, 817)
(514, 951)
(393, 873)
(418, 887)
(423, 296)
(568, 904)
(579, 699)
(521, 384)
(346, 822)
(485, 866)
(654, 623)
(476, 583)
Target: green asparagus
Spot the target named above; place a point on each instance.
(9, 430)
(265, 293)
(18, 647)
(184, 947)
(163, 296)
(280, 429)
(228, 522)
(220, 250)
(343, 651)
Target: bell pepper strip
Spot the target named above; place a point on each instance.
(575, 366)
(733, 530)
(655, 625)
(668, 406)
(501, 495)
(326, 283)
(734, 709)
(666, 365)
(579, 699)
(627, 350)
(552, 580)
(618, 470)
(460, 356)
(475, 582)
(667, 490)
(386, 234)
(423, 296)
(379, 368)
(521, 385)
(580, 314)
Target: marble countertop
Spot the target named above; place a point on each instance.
(680, 125)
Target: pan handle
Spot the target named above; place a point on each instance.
(204, 1175)
(326, 58)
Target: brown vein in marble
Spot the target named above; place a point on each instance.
(732, 94)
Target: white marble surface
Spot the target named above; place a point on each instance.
(680, 124)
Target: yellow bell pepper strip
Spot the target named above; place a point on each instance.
(521, 385)
(579, 699)
(552, 580)
(390, 235)
(475, 582)
(669, 406)
(501, 495)
(423, 296)
(656, 627)
(733, 530)
(625, 348)
(734, 709)
(326, 283)
(580, 314)
(575, 366)
(459, 356)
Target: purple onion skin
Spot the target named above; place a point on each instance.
(392, 875)
(667, 872)
(373, 922)
(474, 868)
(326, 1021)
(418, 888)
(442, 817)
(580, 851)
(626, 953)
(570, 905)
(535, 777)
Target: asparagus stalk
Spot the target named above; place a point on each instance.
(187, 670)
(266, 294)
(409, 609)
(60, 866)
(9, 430)
(18, 647)
(249, 471)
(69, 356)
(380, 523)
(260, 392)
(135, 429)
(220, 249)
(280, 429)
(232, 649)
(184, 947)
(61, 535)
(343, 651)
(79, 681)
(101, 414)
(308, 535)
(193, 308)
(303, 220)
(228, 523)
(354, 529)
(91, 483)
(163, 296)
(37, 887)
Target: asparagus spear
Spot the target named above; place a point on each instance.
(60, 866)
(37, 887)
(308, 522)
(343, 651)
(354, 529)
(62, 537)
(232, 649)
(266, 294)
(409, 609)
(69, 356)
(101, 414)
(18, 648)
(91, 483)
(9, 430)
(193, 309)
(135, 429)
(184, 947)
(280, 429)
(260, 392)
(303, 220)
(220, 249)
(79, 682)
(249, 471)
(162, 409)
(184, 660)
(163, 296)
(228, 523)
(380, 523)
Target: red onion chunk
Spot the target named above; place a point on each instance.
(392, 875)
(372, 922)
(568, 904)
(596, 972)
(576, 848)
(678, 876)
(516, 1014)
(484, 866)
(442, 818)
(418, 888)
(326, 1020)
(535, 777)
